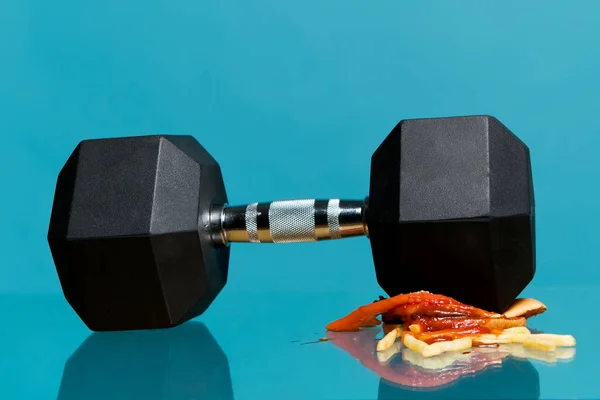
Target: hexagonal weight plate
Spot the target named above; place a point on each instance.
(129, 231)
(451, 210)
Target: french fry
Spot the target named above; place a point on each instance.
(389, 327)
(414, 328)
(521, 334)
(515, 337)
(438, 348)
(503, 338)
(488, 339)
(519, 330)
(558, 340)
(389, 339)
(414, 344)
(504, 323)
(535, 343)
(435, 349)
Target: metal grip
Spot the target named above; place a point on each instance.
(292, 221)
(252, 222)
(333, 218)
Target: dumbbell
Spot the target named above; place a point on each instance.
(140, 229)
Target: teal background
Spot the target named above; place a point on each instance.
(292, 98)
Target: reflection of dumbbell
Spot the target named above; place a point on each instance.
(181, 363)
(140, 226)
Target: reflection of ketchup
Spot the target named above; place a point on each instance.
(361, 345)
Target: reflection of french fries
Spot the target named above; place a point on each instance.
(440, 362)
(565, 353)
(514, 349)
(539, 355)
(497, 353)
(519, 351)
(386, 355)
(559, 354)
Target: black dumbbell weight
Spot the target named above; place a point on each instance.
(140, 226)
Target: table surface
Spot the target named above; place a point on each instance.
(257, 346)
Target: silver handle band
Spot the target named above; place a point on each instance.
(292, 221)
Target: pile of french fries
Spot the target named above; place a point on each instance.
(543, 342)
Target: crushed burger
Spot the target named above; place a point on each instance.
(431, 324)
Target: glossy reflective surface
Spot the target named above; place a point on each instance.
(184, 363)
(257, 346)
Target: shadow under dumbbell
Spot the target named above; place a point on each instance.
(180, 363)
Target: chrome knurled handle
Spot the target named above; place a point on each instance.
(291, 221)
